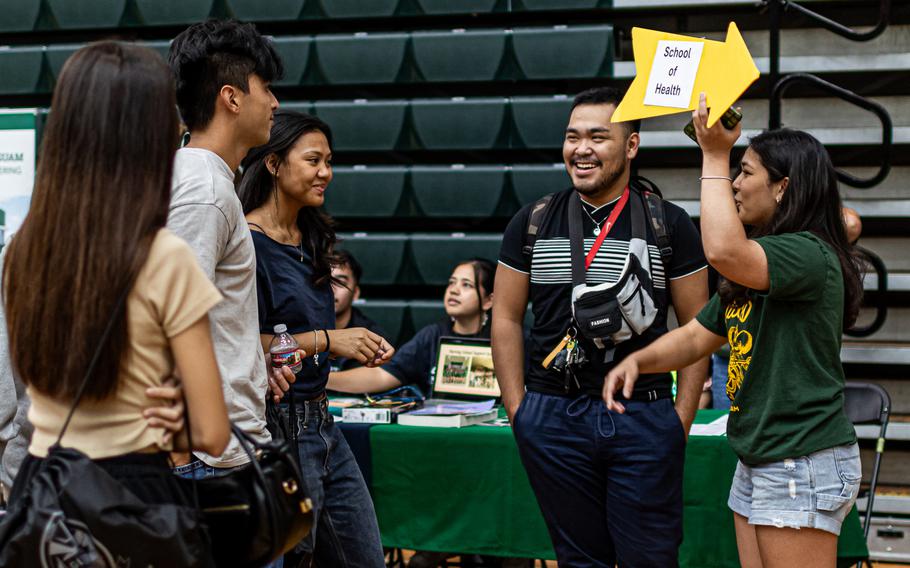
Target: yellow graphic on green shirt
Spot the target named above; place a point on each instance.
(740, 348)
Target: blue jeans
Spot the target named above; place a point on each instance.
(719, 398)
(609, 485)
(198, 469)
(345, 532)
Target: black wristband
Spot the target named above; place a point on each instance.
(328, 343)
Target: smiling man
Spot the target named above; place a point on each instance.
(222, 71)
(609, 485)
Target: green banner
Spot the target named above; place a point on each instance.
(17, 121)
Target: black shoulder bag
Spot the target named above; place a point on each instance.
(259, 511)
(612, 312)
(73, 513)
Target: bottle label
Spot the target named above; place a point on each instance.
(289, 359)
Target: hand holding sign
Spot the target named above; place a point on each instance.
(673, 69)
(716, 139)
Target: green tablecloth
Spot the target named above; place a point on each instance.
(465, 490)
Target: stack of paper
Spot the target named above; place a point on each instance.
(716, 428)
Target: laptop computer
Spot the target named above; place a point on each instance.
(464, 372)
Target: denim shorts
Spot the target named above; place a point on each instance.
(814, 491)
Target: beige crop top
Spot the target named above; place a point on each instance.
(171, 293)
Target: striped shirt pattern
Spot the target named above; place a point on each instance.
(552, 264)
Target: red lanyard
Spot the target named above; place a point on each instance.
(611, 220)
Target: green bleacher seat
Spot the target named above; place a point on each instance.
(458, 191)
(173, 12)
(20, 68)
(361, 58)
(564, 52)
(68, 14)
(295, 53)
(271, 11)
(461, 7)
(459, 55)
(540, 122)
(559, 4)
(381, 255)
(435, 255)
(362, 124)
(459, 123)
(533, 181)
(161, 47)
(359, 8)
(365, 191)
(389, 314)
(299, 106)
(425, 312)
(19, 15)
(57, 56)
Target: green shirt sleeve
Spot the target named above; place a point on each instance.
(712, 317)
(797, 267)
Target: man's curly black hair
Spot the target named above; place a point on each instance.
(208, 55)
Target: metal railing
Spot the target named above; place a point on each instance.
(849, 96)
(779, 86)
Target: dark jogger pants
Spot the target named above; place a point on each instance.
(609, 485)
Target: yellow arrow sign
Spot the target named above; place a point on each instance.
(725, 72)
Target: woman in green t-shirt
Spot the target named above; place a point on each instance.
(790, 284)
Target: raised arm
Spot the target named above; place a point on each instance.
(510, 300)
(727, 248)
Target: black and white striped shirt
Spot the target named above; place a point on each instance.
(550, 273)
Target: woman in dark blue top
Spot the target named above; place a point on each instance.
(468, 299)
(282, 191)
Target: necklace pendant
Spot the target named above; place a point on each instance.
(596, 231)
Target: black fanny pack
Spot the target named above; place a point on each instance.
(611, 313)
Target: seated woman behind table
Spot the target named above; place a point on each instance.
(468, 299)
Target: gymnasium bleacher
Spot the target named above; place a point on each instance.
(449, 115)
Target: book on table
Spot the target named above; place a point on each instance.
(447, 420)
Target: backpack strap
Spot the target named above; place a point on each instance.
(535, 222)
(656, 216)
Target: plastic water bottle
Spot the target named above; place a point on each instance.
(283, 350)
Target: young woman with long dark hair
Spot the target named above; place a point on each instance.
(467, 300)
(95, 231)
(790, 284)
(282, 190)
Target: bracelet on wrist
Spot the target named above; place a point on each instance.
(328, 342)
(728, 178)
(315, 349)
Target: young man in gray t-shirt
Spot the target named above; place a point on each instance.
(223, 70)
